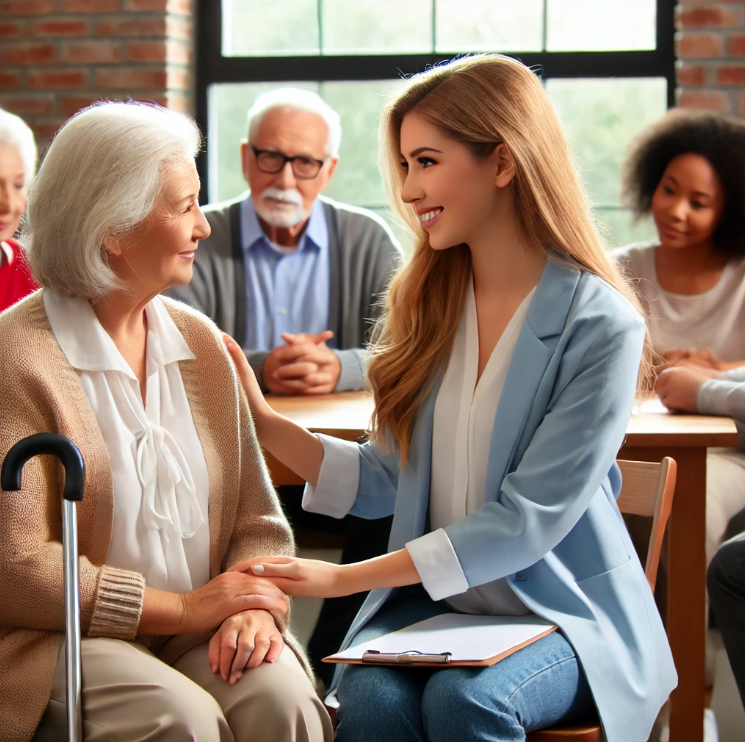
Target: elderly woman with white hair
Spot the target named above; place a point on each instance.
(17, 164)
(176, 646)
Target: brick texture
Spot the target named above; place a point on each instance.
(710, 47)
(58, 56)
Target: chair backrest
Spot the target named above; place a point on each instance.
(648, 490)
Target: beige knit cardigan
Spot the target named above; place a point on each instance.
(41, 392)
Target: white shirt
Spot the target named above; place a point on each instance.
(6, 253)
(461, 436)
(714, 319)
(161, 483)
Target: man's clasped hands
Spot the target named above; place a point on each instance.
(305, 365)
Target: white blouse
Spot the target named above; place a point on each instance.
(714, 319)
(161, 483)
(461, 436)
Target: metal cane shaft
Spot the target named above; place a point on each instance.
(72, 622)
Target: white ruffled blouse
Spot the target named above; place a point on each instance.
(161, 483)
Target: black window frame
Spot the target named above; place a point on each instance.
(212, 67)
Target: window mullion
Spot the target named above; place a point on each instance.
(434, 26)
(544, 28)
(319, 17)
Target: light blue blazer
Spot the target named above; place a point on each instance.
(551, 525)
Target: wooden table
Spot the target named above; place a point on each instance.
(652, 434)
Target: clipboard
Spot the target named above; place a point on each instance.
(449, 640)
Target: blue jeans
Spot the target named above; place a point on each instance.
(539, 686)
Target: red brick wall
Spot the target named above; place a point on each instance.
(710, 46)
(57, 56)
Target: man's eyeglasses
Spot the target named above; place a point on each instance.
(305, 168)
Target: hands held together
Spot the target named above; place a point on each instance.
(682, 375)
(247, 638)
(306, 365)
(242, 606)
(301, 577)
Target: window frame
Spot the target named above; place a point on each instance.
(212, 67)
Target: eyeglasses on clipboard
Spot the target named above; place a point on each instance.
(410, 657)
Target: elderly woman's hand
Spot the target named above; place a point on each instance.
(244, 641)
(226, 595)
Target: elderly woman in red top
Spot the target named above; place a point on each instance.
(17, 163)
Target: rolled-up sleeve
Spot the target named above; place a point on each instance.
(338, 481)
(437, 564)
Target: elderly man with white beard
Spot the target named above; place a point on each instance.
(292, 276)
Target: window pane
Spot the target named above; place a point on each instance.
(601, 25)
(256, 28)
(601, 118)
(618, 228)
(357, 178)
(376, 26)
(489, 25)
(399, 229)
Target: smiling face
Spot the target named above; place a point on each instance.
(455, 194)
(12, 190)
(688, 203)
(281, 199)
(159, 253)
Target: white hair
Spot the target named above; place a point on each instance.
(15, 133)
(295, 99)
(101, 177)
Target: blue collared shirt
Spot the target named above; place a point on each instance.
(285, 293)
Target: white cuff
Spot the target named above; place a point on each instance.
(437, 563)
(338, 481)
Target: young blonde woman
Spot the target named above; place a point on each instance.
(504, 374)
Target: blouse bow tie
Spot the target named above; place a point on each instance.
(169, 494)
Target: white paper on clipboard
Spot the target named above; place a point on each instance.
(467, 638)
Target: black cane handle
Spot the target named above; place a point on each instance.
(45, 443)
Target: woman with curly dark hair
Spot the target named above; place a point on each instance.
(688, 171)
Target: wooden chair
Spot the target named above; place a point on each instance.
(648, 491)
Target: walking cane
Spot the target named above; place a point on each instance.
(10, 480)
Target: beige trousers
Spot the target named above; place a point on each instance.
(129, 694)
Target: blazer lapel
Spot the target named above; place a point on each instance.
(546, 318)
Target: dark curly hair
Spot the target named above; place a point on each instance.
(719, 139)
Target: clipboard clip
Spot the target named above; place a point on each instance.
(411, 657)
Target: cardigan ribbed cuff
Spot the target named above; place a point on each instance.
(118, 606)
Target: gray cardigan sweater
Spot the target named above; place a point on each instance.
(725, 395)
(363, 257)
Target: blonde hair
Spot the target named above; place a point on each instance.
(479, 101)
